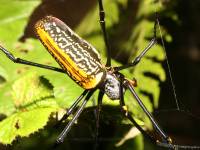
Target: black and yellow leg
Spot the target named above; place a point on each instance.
(165, 138)
(126, 113)
(129, 117)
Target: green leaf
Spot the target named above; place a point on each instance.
(13, 19)
(23, 123)
(3, 75)
(30, 94)
(7, 106)
(31, 89)
(33, 99)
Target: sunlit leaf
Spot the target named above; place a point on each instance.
(34, 102)
(23, 123)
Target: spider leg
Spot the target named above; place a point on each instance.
(141, 55)
(177, 147)
(72, 107)
(165, 138)
(128, 116)
(167, 143)
(105, 36)
(98, 110)
(63, 134)
(26, 62)
(138, 58)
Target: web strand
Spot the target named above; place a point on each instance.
(173, 146)
(167, 62)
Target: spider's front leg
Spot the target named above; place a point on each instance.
(138, 58)
(26, 62)
(105, 35)
(146, 49)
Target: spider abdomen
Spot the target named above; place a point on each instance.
(77, 57)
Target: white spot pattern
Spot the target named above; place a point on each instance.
(81, 52)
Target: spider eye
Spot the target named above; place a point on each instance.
(112, 87)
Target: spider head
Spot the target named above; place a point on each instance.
(112, 87)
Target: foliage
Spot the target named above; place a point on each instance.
(27, 96)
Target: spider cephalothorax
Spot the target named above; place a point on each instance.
(112, 87)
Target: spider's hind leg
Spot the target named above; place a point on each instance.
(98, 110)
(63, 134)
(126, 113)
(164, 138)
(72, 108)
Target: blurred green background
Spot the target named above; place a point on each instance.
(31, 99)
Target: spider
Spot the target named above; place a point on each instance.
(82, 63)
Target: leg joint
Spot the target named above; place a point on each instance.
(102, 16)
(125, 110)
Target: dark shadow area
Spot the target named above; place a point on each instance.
(184, 58)
(70, 12)
(81, 136)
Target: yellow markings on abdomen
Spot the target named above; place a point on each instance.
(83, 78)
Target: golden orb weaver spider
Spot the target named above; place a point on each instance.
(68, 49)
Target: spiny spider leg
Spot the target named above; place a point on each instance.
(105, 36)
(165, 138)
(26, 62)
(63, 134)
(98, 110)
(72, 107)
